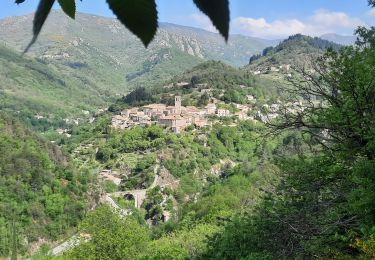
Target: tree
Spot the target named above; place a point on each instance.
(194, 81)
(339, 105)
(233, 96)
(138, 96)
(203, 100)
(140, 17)
(254, 58)
(111, 237)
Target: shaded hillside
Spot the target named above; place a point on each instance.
(40, 194)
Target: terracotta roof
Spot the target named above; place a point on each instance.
(171, 117)
(192, 109)
(155, 106)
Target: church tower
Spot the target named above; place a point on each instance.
(177, 104)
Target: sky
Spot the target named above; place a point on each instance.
(269, 19)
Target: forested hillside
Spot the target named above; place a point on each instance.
(266, 77)
(297, 50)
(323, 206)
(211, 79)
(42, 196)
(30, 88)
(204, 177)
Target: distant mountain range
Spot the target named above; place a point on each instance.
(340, 39)
(104, 45)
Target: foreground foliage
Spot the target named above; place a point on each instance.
(42, 197)
(324, 205)
(140, 17)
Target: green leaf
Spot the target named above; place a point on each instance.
(69, 7)
(139, 16)
(42, 12)
(218, 12)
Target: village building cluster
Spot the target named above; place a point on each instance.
(281, 68)
(176, 117)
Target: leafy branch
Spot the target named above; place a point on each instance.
(139, 16)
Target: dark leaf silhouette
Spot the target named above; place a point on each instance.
(69, 7)
(40, 17)
(218, 11)
(140, 17)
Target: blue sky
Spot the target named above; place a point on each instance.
(270, 19)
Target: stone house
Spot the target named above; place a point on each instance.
(222, 112)
(210, 109)
(175, 122)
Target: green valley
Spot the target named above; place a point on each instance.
(191, 147)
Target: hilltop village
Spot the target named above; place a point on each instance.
(176, 117)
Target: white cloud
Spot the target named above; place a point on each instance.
(371, 12)
(261, 28)
(201, 21)
(333, 20)
(321, 22)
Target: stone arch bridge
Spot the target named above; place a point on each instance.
(138, 195)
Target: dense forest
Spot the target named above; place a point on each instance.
(189, 158)
(287, 44)
(296, 51)
(42, 196)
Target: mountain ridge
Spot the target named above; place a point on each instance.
(340, 39)
(115, 27)
(296, 50)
